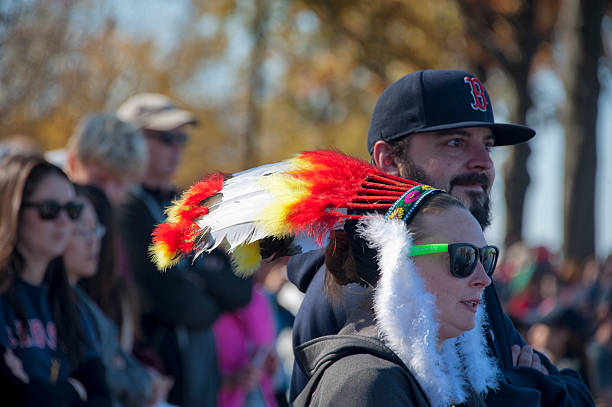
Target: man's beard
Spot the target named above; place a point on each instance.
(480, 208)
(479, 204)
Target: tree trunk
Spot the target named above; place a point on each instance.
(581, 21)
(517, 179)
(515, 59)
(255, 85)
(516, 176)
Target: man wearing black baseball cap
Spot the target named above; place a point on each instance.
(437, 126)
(435, 100)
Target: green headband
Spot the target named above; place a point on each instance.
(406, 206)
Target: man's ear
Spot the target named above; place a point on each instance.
(70, 164)
(383, 159)
(74, 168)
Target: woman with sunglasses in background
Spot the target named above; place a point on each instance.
(49, 354)
(131, 384)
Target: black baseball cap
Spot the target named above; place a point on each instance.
(435, 100)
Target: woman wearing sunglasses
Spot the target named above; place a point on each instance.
(414, 336)
(130, 383)
(49, 356)
(427, 278)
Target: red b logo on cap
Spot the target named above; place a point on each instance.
(478, 93)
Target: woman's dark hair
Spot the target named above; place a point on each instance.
(348, 259)
(66, 314)
(20, 175)
(340, 268)
(108, 288)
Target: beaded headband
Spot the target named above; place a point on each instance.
(406, 206)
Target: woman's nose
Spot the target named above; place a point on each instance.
(480, 277)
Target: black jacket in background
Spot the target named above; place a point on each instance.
(40, 393)
(180, 305)
(521, 386)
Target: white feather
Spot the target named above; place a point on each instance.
(234, 218)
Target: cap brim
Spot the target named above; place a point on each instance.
(168, 120)
(505, 134)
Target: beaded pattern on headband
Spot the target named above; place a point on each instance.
(405, 207)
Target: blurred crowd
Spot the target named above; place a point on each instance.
(82, 217)
(562, 309)
(87, 317)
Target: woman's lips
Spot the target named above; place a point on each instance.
(471, 304)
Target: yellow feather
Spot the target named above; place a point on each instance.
(303, 164)
(162, 257)
(288, 191)
(173, 210)
(246, 259)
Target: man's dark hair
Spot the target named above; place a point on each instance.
(408, 169)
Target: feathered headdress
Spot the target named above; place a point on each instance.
(309, 194)
(312, 194)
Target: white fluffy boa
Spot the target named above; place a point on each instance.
(405, 318)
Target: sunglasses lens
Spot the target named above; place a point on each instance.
(489, 259)
(73, 210)
(170, 138)
(166, 138)
(464, 258)
(49, 209)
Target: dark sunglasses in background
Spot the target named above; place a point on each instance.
(169, 137)
(463, 256)
(50, 209)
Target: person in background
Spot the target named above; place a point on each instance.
(284, 299)
(18, 144)
(108, 153)
(111, 155)
(49, 351)
(131, 383)
(247, 359)
(600, 349)
(563, 335)
(179, 306)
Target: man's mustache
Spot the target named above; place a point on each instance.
(472, 179)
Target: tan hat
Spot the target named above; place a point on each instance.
(154, 112)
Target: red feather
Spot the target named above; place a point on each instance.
(337, 181)
(192, 199)
(179, 236)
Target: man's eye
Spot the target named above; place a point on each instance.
(456, 142)
(488, 146)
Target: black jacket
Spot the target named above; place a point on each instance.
(180, 305)
(39, 393)
(520, 386)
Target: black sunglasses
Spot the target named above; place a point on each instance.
(50, 209)
(169, 137)
(463, 256)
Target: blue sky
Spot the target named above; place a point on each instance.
(543, 212)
